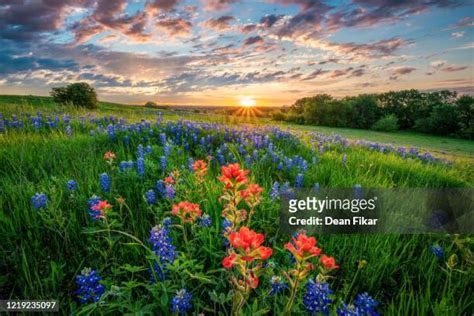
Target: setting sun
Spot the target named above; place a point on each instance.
(247, 101)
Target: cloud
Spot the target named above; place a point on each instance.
(220, 24)
(248, 28)
(158, 6)
(453, 68)
(175, 27)
(28, 20)
(467, 21)
(458, 34)
(401, 71)
(270, 20)
(217, 5)
(253, 40)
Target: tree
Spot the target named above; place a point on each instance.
(386, 124)
(465, 106)
(365, 109)
(78, 94)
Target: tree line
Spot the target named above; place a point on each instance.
(438, 113)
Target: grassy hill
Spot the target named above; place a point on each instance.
(450, 148)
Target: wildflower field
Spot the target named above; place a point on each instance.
(160, 215)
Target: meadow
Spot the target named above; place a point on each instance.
(127, 210)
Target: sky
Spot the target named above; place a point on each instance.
(221, 52)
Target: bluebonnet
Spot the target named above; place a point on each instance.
(277, 285)
(275, 191)
(161, 187)
(344, 159)
(190, 165)
(39, 200)
(363, 305)
(170, 192)
(93, 200)
(437, 251)
(366, 304)
(181, 302)
(299, 180)
(104, 182)
(90, 290)
(167, 150)
(150, 197)
(141, 166)
(226, 228)
(140, 152)
(111, 131)
(71, 185)
(68, 130)
(124, 165)
(167, 222)
(318, 297)
(205, 221)
(164, 250)
(163, 162)
(148, 149)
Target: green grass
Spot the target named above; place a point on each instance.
(44, 250)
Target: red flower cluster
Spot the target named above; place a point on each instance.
(109, 156)
(328, 262)
(168, 180)
(233, 176)
(248, 243)
(252, 193)
(187, 211)
(200, 168)
(101, 209)
(303, 247)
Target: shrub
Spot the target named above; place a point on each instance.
(278, 116)
(78, 94)
(387, 123)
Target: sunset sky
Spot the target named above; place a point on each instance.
(217, 52)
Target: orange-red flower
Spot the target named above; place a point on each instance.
(101, 209)
(252, 192)
(303, 247)
(249, 244)
(168, 180)
(187, 211)
(229, 261)
(329, 262)
(200, 168)
(232, 176)
(109, 155)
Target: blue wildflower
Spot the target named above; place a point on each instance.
(318, 297)
(167, 222)
(148, 149)
(344, 160)
(161, 187)
(164, 250)
(39, 200)
(111, 131)
(205, 221)
(104, 182)
(299, 180)
(150, 197)
(357, 190)
(68, 130)
(170, 192)
(163, 162)
(89, 287)
(124, 165)
(71, 185)
(437, 251)
(275, 191)
(141, 166)
(140, 151)
(181, 302)
(366, 304)
(277, 285)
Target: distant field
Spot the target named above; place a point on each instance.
(450, 148)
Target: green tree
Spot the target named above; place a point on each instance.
(365, 110)
(78, 94)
